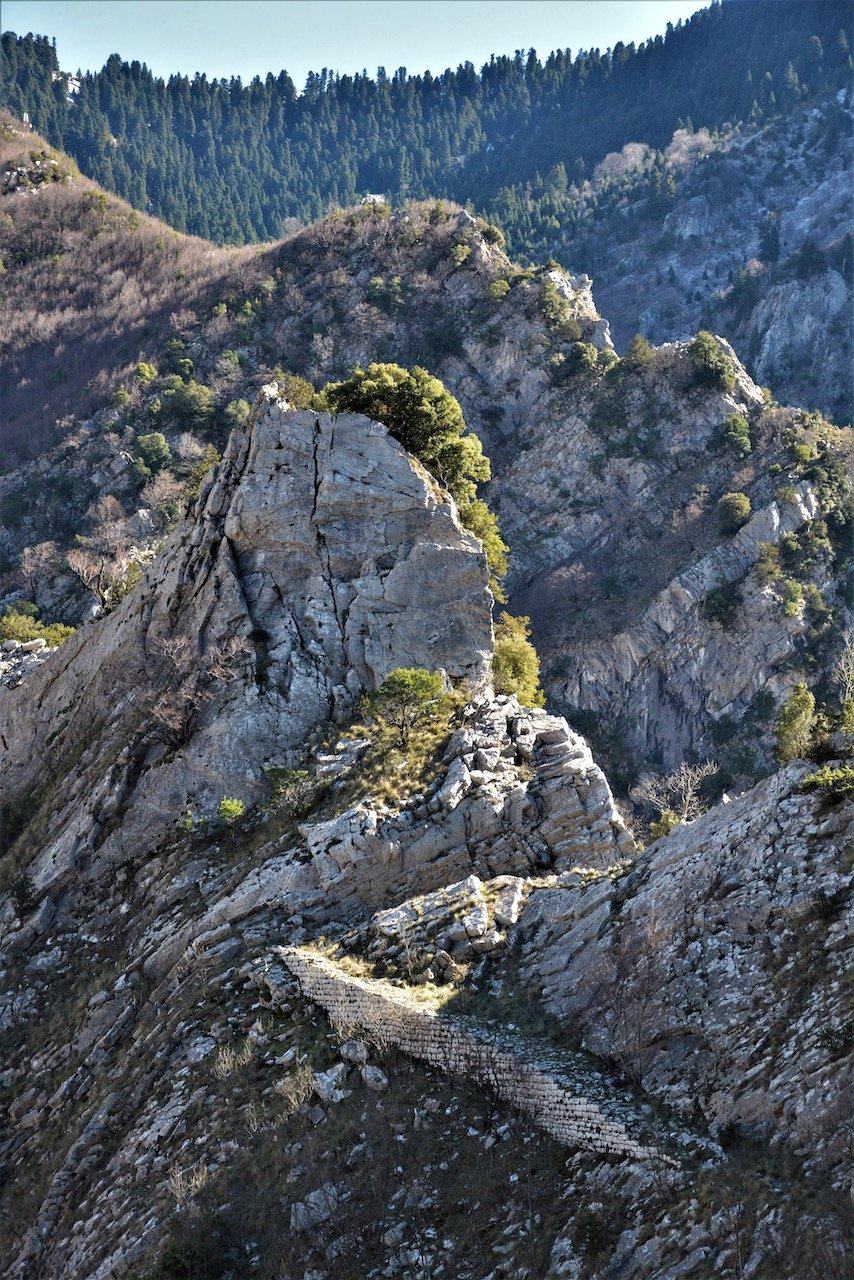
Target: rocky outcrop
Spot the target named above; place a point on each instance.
(714, 973)
(676, 671)
(319, 558)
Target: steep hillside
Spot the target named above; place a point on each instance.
(662, 629)
(175, 1101)
(752, 238)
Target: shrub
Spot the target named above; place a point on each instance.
(460, 253)
(422, 415)
(194, 480)
(16, 624)
(296, 390)
(795, 723)
(833, 782)
(483, 523)
(407, 699)
(639, 353)
(493, 235)
(792, 595)
(768, 565)
(733, 511)
(145, 372)
(515, 663)
(733, 433)
(153, 451)
(582, 358)
(663, 824)
(192, 403)
(236, 413)
(499, 290)
(721, 604)
(230, 811)
(712, 366)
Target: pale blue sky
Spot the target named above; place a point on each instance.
(252, 37)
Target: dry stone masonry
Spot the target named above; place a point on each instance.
(387, 1014)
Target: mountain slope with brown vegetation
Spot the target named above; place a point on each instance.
(607, 474)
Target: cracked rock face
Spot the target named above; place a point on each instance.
(716, 973)
(327, 553)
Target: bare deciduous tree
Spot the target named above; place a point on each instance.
(36, 562)
(678, 791)
(193, 674)
(843, 670)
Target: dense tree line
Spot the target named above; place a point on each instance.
(232, 161)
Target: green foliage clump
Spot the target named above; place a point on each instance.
(795, 723)
(499, 290)
(554, 308)
(407, 700)
(153, 452)
(515, 662)
(712, 366)
(733, 433)
(236, 414)
(18, 622)
(721, 604)
(145, 372)
(460, 254)
(733, 512)
(832, 781)
(768, 568)
(297, 391)
(663, 824)
(294, 793)
(230, 810)
(423, 416)
(483, 523)
(199, 470)
(493, 235)
(792, 595)
(192, 403)
(639, 354)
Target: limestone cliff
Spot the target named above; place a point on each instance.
(318, 559)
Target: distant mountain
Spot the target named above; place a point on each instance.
(232, 162)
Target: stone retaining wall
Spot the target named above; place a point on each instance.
(421, 1032)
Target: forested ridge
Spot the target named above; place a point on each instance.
(232, 161)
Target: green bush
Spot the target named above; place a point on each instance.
(199, 471)
(515, 663)
(721, 604)
(230, 811)
(236, 414)
(832, 781)
(422, 415)
(498, 290)
(483, 523)
(795, 723)
(712, 366)
(639, 354)
(792, 595)
(582, 358)
(153, 451)
(733, 433)
(493, 235)
(733, 511)
(18, 624)
(407, 700)
(193, 404)
(460, 254)
(145, 372)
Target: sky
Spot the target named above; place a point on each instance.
(225, 38)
